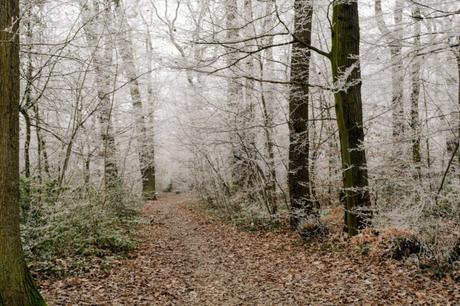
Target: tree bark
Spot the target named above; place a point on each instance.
(234, 94)
(302, 204)
(27, 139)
(348, 105)
(102, 59)
(457, 56)
(247, 127)
(267, 99)
(16, 285)
(415, 93)
(25, 110)
(41, 143)
(144, 144)
(394, 43)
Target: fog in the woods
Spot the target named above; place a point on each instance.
(131, 122)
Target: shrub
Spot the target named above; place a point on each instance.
(64, 224)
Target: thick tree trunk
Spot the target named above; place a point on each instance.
(16, 285)
(301, 199)
(348, 104)
(144, 144)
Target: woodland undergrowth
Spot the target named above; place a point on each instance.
(67, 231)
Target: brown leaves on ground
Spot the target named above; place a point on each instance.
(186, 258)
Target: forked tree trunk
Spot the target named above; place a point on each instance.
(302, 204)
(144, 144)
(348, 105)
(16, 285)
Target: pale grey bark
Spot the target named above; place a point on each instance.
(268, 101)
(102, 56)
(145, 147)
(234, 91)
(393, 38)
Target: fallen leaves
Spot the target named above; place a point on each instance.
(188, 258)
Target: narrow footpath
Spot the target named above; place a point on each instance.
(187, 258)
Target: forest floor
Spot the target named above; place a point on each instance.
(186, 257)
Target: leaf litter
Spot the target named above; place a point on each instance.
(186, 257)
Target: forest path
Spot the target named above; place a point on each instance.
(187, 258)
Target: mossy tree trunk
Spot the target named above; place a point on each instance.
(302, 204)
(348, 105)
(16, 285)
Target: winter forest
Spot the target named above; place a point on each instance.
(229, 152)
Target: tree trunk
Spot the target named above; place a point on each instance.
(41, 144)
(25, 110)
(267, 99)
(151, 113)
(415, 93)
(247, 124)
(348, 105)
(144, 144)
(234, 94)
(16, 285)
(102, 63)
(457, 56)
(151, 94)
(27, 139)
(301, 200)
(394, 43)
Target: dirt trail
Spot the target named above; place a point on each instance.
(185, 258)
